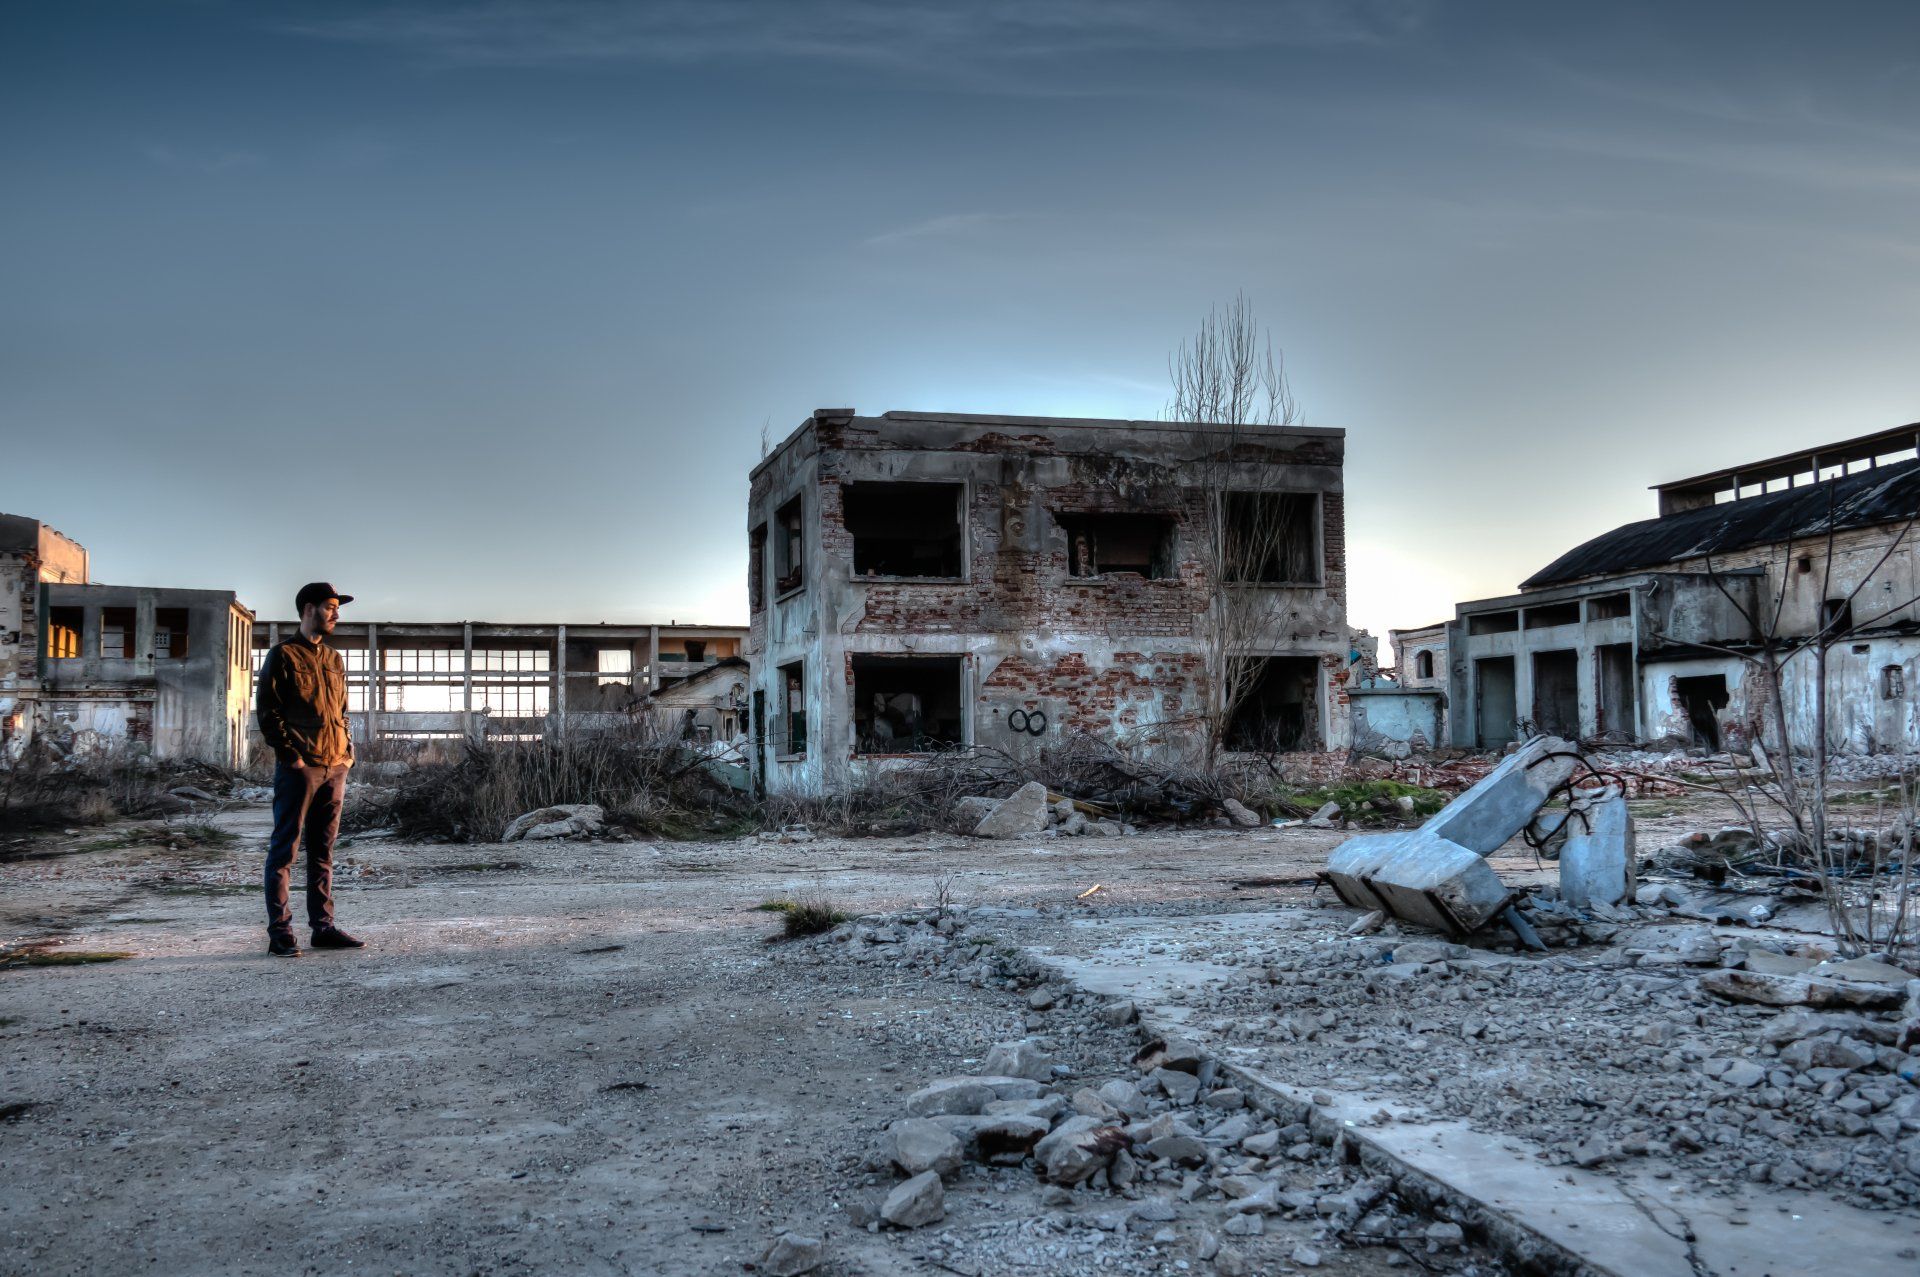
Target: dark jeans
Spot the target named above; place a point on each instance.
(306, 811)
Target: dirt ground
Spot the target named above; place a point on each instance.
(580, 1058)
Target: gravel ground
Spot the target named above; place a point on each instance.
(581, 1057)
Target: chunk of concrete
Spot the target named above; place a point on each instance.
(1505, 799)
(1597, 860)
(1025, 811)
(1077, 1148)
(915, 1203)
(1436, 876)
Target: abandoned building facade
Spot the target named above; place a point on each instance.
(444, 680)
(84, 665)
(927, 582)
(1647, 633)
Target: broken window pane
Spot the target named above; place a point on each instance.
(1098, 544)
(63, 632)
(615, 665)
(789, 559)
(906, 704)
(903, 529)
(1280, 712)
(116, 633)
(170, 633)
(1272, 538)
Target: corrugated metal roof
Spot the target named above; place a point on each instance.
(1889, 494)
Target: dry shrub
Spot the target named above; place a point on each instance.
(50, 788)
(644, 784)
(810, 914)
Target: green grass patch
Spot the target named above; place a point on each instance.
(62, 958)
(803, 915)
(1356, 798)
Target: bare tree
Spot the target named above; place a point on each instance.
(1799, 806)
(1230, 383)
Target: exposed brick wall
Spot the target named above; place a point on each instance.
(1133, 690)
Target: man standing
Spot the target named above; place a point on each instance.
(302, 709)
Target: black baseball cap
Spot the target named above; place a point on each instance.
(317, 592)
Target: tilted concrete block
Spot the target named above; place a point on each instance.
(1506, 798)
(1597, 862)
(1437, 875)
(1418, 878)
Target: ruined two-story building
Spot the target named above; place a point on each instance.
(922, 582)
(84, 664)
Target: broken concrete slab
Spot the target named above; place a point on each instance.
(916, 1202)
(1785, 991)
(1597, 860)
(1077, 1148)
(1436, 876)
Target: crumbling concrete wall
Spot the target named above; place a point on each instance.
(1042, 649)
(31, 554)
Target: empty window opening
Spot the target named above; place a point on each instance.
(1616, 694)
(1280, 712)
(116, 633)
(1609, 607)
(1551, 614)
(1893, 682)
(788, 556)
(696, 650)
(906, 704)
(903, 529)
(1836, 617)
(170, 633)
(63, 632)
(1272, 538)
(757, 566)
(793, 709)
(1493, 623)
(1423, 664)
(1496, 711)
(1701, 698)
(1101, 543)
(1556, 693)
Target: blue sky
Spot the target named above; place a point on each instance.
(480, 310)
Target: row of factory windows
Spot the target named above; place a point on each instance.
(66, 628)
(918, 531)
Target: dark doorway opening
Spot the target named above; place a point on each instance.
(1702, 696)
(906, 704)
(1495, 709)
(1556, 693)
(1617, 700)
(1280, 712)
(903, 529)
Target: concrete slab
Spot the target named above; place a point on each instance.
(1546, 1217)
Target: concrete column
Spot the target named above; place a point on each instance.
(560, 675)
(653, 659)
(143, 635)
(466, 665)
(376, 690)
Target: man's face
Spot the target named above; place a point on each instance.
(323, 616)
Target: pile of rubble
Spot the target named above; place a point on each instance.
(1034, 811)
(1162, 1156)
(1717, 1055)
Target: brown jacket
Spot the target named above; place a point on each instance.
(301, 703)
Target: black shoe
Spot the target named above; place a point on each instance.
(282, 947)
(334, 938)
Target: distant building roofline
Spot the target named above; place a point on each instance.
(1794, 464)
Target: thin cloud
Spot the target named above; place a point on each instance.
(917, 35)
(202, 163)
(944, 227)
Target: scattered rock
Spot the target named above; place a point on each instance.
(916, 1202)
(1022, 1059)
(791, 1255)
(1077, 1148)
(915, 1144)
(1024, 812)
(1240, 814)
(567, 820)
